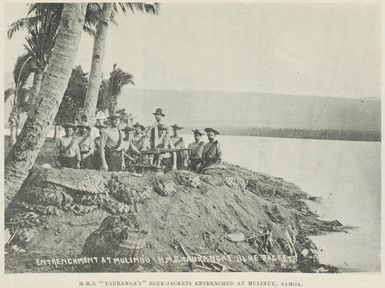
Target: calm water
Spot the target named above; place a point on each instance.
(346, 174)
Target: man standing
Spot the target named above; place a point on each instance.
(100, 118)
(178, 143)
(141, 140)
(97, 162)
(195, 151)
(86, 145)
(67, 149)
(212, 152)
(130, 152)
(165, 160)
(110, 146)
(154, 128)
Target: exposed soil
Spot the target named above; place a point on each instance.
(227, 219)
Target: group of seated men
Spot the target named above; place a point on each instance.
(122, 147)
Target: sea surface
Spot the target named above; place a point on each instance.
(346, 174)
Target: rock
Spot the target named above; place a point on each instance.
(235, 182)
(164, 187)
(17, 250)
(25, 235)
(305, 252)
(321, 270)
(214, 181)
(195, 182)
(186, 178)
(236, 237)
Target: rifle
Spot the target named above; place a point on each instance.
(163, 151)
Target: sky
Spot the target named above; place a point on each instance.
(300, 49)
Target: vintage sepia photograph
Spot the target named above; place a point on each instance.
(192, 137)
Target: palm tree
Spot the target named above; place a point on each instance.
(8, 93)
(42, 29)
(21, 72)
(42, 23)
(38, 12)
(40, 42)
(109, 11)
(96, 15)
(97, 62)
(23, 154)
(111, 89)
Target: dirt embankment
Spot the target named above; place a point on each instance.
(227, 219)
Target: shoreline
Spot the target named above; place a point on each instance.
(281, 210)
(376, 138)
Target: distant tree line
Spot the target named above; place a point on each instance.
(333, 134)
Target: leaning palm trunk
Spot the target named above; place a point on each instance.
(23, 154)
(98, 53)
(37, 79)
(13, 125)
(55, 132)
(12, 132)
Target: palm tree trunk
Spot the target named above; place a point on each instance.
(22, 155)
(12, 126)
(12, 133)
(37, 78)
(55, 132)
(17, 122)
(97, 63)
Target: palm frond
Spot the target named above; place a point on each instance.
(134, 7)
(93, 16)
(23, 69)
(90, 31)
(110, 89)
(41, 40)
(137, 7)
(41, 9)
(21, 24)
(118, 79)
(8, 93)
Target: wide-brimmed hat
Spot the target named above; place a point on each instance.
(208, 130)
(84, 124)
(197, 131)
(69, 125)
(177, 127)
(162, 126)
(114, 116)
(100, 116)
(101, 125)
(138, 125)
(159, 111)
(128, 128)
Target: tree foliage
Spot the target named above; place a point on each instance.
(38, 11)
(23, 69)
(111, 89)
(73, 100)
(40, 40)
